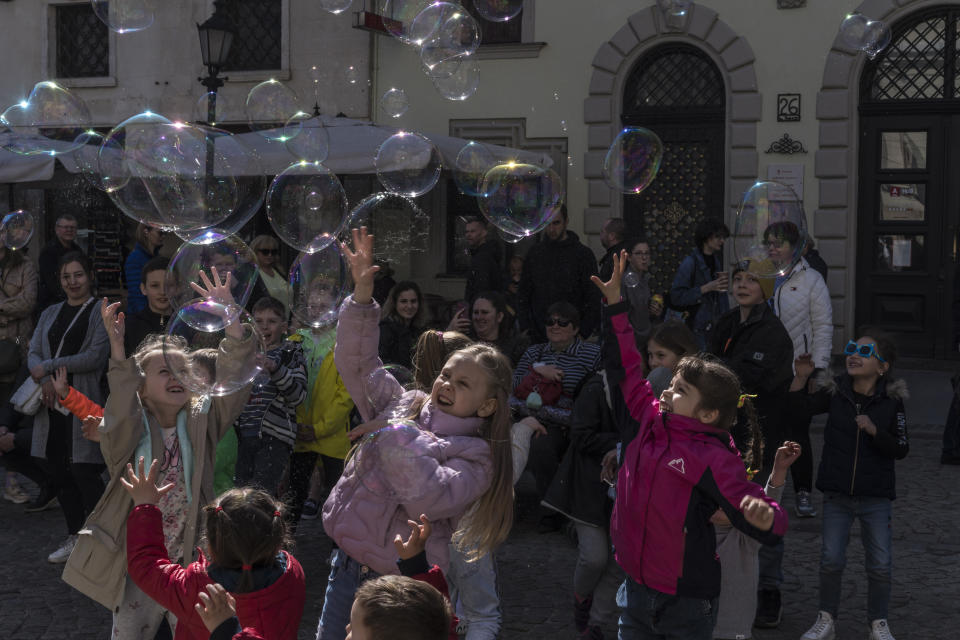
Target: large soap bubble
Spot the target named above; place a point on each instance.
(498, 10)
(112, 163)
(473, 162)
(212, 248)
(386, 389)
(271, 105)
(125, 16)
(318, 283)
(395, 462)
(309, 139)
(633, 160)
(770, 230)
(200, 348)
(398, 16)
(394, 102)
(462, 83)
(400, 226)
(16, 229)
(48, 122)
(306, 205)
(408, 164)
(520, 198)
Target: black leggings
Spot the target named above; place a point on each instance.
(80, 483)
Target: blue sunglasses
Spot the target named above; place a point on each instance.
(862, 350)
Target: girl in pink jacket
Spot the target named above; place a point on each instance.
(461, 454)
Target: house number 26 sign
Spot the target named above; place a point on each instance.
(788, 107)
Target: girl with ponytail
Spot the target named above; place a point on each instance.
(245, 540)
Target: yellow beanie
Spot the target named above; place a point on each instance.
(763, 271)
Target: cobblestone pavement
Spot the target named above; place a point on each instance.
(536, 570)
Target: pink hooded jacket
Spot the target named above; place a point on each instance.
(457, 465)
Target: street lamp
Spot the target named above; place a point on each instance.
(216, 37)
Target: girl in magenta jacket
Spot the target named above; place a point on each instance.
(461, 452)
(681, 466)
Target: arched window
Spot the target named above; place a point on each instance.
(676, 91)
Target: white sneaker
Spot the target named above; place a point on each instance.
(823, 629)
(63, 553)
(879, 630)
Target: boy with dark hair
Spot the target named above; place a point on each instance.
(267, 428)
(154, 317)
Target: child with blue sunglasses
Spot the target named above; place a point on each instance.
(866, 433)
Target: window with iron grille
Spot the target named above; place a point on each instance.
(921, 62)
(498, 32)
(83, 45)
(256, 46)
(679, 78)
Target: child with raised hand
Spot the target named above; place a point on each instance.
(245, 536)
(464, 453)
(738, 555)
(865, 434)
(89, 412)
(676, 472)
(150, 413)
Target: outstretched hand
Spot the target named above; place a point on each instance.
(216, 608)
(611, 288)
(114, 320)
(361, 264)
(144, 489)
(214, 287)
(417, 541)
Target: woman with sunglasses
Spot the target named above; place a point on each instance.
(865, 434)
(274, 278)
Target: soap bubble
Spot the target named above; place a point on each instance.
(473, 162)
(444, 31)
(112, 163)
(400, 226)
(16, 229)
(520, 198)
(212, 249)
(675, 12)
(125, 16)
(351, 74)
(192, 348)
(633, 160)
(408, 164)
(509, 237)
(87, 156)
(853, 30)
(430, 20)
(201, 112)
(386, 390)
(395, 463)
(48, 122)
(398, 16)
(462, 83)
(876, 38)
(631, 279)
(394, 102)
(335, 6)
(306, 205)
(318, 283)
(270, 106)
(770, 230)
(498, 10)
(444, 69)
(309, 139)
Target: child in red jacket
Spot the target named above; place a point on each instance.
(245, 534)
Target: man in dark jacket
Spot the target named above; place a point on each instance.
(558, 268)
(613, 238)
(48, 286)
(486, 260)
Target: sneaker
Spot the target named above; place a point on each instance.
(14, 493)
(581, 612)
(768, 609)
(823, 629)
(805, 505)
(46, 500)
(879, 630)
(63, 553)
(310, 510)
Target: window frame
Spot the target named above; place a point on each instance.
(259, 75)
(48, 53)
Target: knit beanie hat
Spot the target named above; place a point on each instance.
(763, 271)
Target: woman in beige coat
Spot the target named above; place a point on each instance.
(18, 297)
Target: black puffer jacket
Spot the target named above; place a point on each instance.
(854, 462)
(397, 341)
(486, 270)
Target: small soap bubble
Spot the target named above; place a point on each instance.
(125, 16)
(563, 126)
(393, 464)
(309, 139)
(473, 162)
(853, 30)
(335, 6)
(271, 105)
(520, 199)
(351, 74)
(498, 10)
(631, 279)
(48, 122)
(462, 83)
(408, 164)
(386, 389)
(633, 160)
(770, 230)
(876, 38)
(207, 250)
(16, 229)
(394, 102)
(201, 112)
(306, 205)
(318, 284)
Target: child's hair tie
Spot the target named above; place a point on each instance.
(246, 567)
(277, 514)
(743, 398)
(219, 508)
(440, 337)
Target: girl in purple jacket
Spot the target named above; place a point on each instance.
(462, 454)
(678, 470)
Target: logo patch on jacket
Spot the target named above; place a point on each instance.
(758, 355)
(677, 464)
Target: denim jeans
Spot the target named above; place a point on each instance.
(597, 574)
(647, 614)
(874, 514)
(346, 576)
(474, 585)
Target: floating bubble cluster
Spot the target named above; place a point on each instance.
(318, 283)
(394, 463)
(770, 230)
(48, 122)
(520, 199)
(633, 160)
(212, 248)
(16, 229)
(306, 205)
(408, 164)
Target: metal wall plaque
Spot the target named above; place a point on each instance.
(788, 107)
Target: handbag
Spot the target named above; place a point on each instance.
(548, 391)
(10, 358)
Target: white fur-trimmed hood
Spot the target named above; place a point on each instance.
(895, 389)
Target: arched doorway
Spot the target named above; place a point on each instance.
(909, 199)
(677, 91)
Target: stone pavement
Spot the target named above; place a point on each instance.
(536, 570)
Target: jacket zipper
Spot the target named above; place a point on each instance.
(856, 453)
